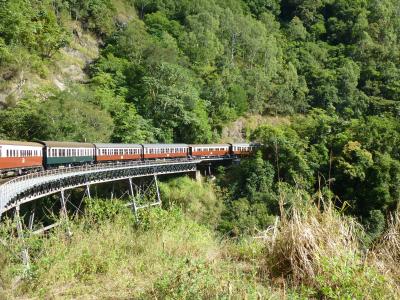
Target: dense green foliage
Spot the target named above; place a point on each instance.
(354, 163)
(198, 65)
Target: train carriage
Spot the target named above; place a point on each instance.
(67, 153)
(20, 157)
(118, 152)
(210, 150)
(243, 149)
(159, 151)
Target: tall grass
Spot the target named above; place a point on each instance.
(386, 252)
(318, 253)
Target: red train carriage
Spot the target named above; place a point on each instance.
(243, 149)
(211, 150)
(118, 152)
(20, 157)
(154, 151)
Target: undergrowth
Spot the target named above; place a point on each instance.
(308, 254)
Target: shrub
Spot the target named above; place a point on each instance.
(199, 200)
(320, 250)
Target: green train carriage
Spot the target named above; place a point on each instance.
(57, 154)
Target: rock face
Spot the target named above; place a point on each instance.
(67, 66)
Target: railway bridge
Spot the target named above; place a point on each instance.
(28, 188)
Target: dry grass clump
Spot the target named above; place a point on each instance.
(386, 252)
(296, 246)
(317, 253)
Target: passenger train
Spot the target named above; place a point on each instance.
(17, 158)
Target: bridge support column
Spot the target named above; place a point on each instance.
(32, 216)
(157, 190)
(20, 231)
(64, 212)
(142, 192)
(132, 194)
(196, 175)
(88, 191)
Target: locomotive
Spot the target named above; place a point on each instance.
(17, 158)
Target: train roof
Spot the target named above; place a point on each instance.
(244, 144)
(66, 144)
(18, 143)
(110, 145)
(164, 145)
(210, 145)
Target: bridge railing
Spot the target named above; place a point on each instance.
(87, 167)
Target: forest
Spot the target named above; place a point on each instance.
(327, 72)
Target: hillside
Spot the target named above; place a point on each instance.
(316, 82)
(201, 64)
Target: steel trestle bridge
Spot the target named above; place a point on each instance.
(30, 187)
